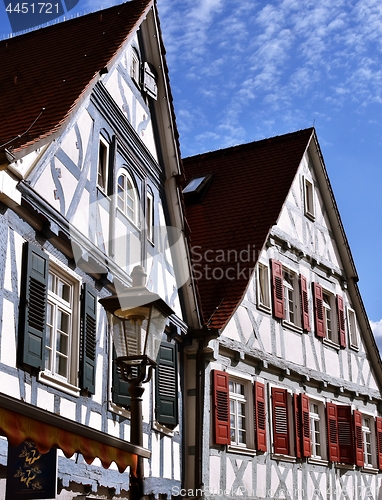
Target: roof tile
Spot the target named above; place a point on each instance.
(230, 226)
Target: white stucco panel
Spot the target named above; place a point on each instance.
(214, 475)
(332, 362)
(293, 347)
(45, 400)
(155, 454)
(167, 457)
(231, 331)
(8, 335)
(265, 334)
(68, 409)
(10, 385)
(245, 323)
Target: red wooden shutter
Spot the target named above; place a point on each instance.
(341, 321)
(304, 303)
(305, 420)
(277, 289)
(378, 425)
(333, 446)
(221, 407)
(280, 421)
(359, 459)
(319, 310)
(345, 434)
(260, 418)
(297, 425)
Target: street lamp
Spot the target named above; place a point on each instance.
(138, 321)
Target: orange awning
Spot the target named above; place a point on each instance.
(20, 422)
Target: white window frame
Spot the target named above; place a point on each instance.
(103, 164)
(317, 417)
(368, 441)
(352, 328)
(291, 298)
(309, 198)
(263, 287)
(49, 375)
(150, 215)
(129, 196)
(247, 399)
(330, 315)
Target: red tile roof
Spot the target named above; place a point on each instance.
(52, 68)
(248, 189)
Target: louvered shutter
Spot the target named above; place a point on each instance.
(120, 388)
(166, 385)
(277, 289)
(88, 338)
(280, 421)
(333, 445)
(304, 303)
(33, 303)
(221, 412)
(260, 418)
(319, 310)
(305, 420)
(297, 424)
(345, 434)
(341, 321)
(378, 426)
(359, 459)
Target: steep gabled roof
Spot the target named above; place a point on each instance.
(248, 188)
(51, 69)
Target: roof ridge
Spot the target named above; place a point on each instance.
(236, 147)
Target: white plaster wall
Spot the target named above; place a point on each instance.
(68, 409)
(214, 484)
(8, 335)
(45, 400)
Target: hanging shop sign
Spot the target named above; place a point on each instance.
(31, 474)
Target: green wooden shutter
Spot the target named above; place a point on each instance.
(88, 338)
(33, 302)
(166, 385)
(120, 388)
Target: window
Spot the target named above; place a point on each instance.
(263, 290)
(367, 441)
(135, 67)
(328, 318)
(329, 315)
(55, 335)
(352, 327)
(127, 197)
(150, 216)
(103, 162)
(317, 429)
(291, 298)
(308, 198)
(238, 410)
(61, 328)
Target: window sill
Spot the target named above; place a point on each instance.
(292, 326)
(330, 343)
(156, 426)
(264, 308)
(310, 216)
(345, 466)
(354, 347)
(119, 410)
(317, 461)
(285, 458)
(241, 450)
(370, 470)
(57, 383)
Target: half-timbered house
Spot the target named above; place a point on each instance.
(284, 377)
(89, 159)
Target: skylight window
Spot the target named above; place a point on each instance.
(195, 185)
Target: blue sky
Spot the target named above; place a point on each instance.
(245, 70)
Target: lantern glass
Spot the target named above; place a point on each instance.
(156, 326)
(129, 336)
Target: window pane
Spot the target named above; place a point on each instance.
(63, 290)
